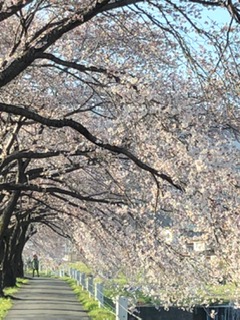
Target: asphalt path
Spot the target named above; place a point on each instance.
(48, 299)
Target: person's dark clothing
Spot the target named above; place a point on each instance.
(35, 266)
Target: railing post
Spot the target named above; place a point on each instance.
(75, 274)
(83, 280)
(90, 286)
(121, 308)
(99, 294)
(78, 277)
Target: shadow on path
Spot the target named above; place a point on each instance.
(48, 299)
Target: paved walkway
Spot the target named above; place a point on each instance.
(46, 299)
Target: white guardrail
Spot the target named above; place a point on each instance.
(95, 290)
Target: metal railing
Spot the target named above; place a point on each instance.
(95, 289)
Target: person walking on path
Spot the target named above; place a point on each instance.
(46, 299)
(35, 265)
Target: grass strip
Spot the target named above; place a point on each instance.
(6, 302)
(89, 304)
(5, 305)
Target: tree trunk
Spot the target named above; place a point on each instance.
(20, 243)
(9, 278)
(1, 270)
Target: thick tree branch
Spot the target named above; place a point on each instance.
(53, 190)
(87, 134)
(10, 11)
(46, 38)
(209, 3)
(40, 172)
(27, 155)
(6, 214)
(75, 66)
(119, 4)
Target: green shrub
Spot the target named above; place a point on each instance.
(5, 305)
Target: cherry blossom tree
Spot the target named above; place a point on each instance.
(119, 126)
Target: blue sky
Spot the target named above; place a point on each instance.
(220, 15)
